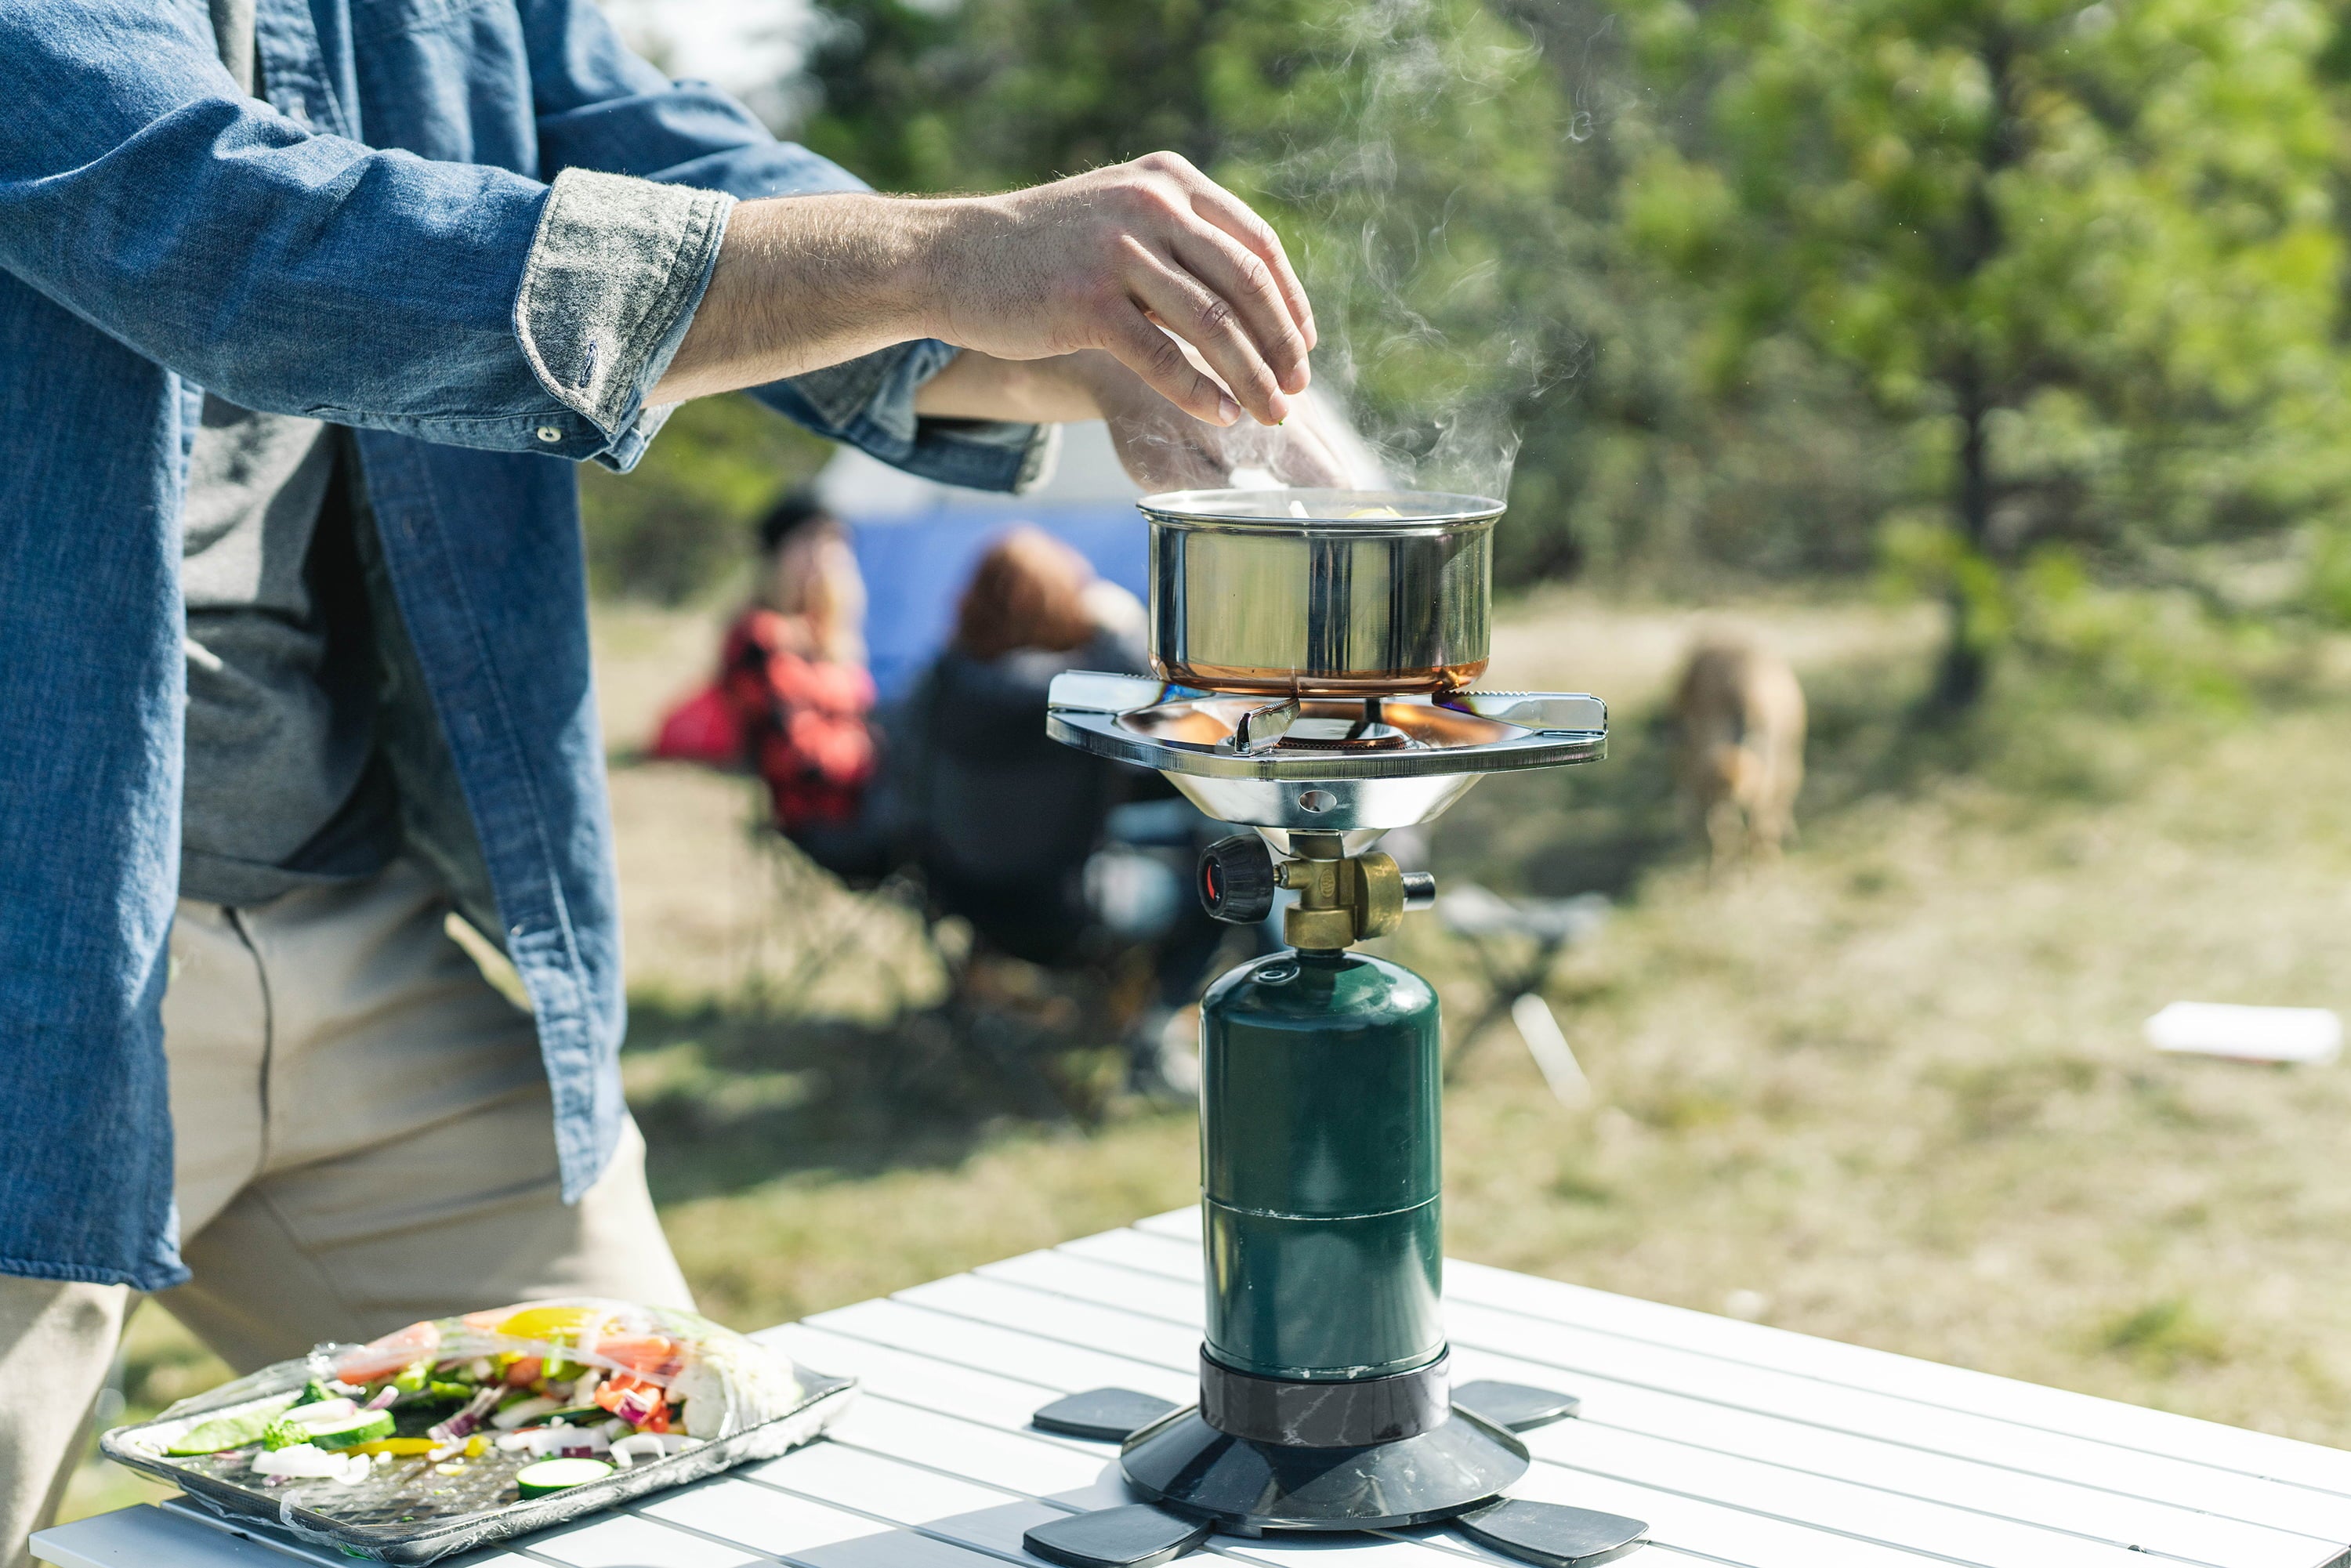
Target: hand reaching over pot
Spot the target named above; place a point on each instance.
(1161, 446)
(1139, 262)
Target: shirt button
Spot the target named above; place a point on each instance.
(549, 435)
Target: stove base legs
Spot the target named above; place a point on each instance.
(1103, 1415)
(1204, 1481)
(1514, 1406)
(1137, 1536)
(1552, 1536)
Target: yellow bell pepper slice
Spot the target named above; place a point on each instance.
(401, 1445)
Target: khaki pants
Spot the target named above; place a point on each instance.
(363, 1138)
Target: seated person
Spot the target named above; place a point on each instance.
(1002, 817)
(793, 700)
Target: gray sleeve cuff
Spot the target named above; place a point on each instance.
(614, 272)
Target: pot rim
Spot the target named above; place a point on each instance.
(1267, 511)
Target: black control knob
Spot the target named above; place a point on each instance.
(1236, 879)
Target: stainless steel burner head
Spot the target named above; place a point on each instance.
(1352, 765)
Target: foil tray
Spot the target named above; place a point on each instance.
(408, 1514)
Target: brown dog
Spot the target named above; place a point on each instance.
(1742, 748)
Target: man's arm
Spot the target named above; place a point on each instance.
(1101, 261)
(1161, 446)
(600, 108)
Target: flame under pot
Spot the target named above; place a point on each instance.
(1329, 591)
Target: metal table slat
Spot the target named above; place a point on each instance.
(1997, 1434)
(1699, 1528)
(1761, 1486)
(1954, 1387)
(1743, 1445)
(1903, 1445)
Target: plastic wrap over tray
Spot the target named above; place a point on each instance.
(421, 1508)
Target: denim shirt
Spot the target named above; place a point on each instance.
(355, 249)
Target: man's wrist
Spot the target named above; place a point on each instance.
(915, 274)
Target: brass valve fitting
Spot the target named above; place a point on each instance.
(1341, 899)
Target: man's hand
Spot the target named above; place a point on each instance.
(1160, 445)
(1101, 261)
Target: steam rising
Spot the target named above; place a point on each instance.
(1400, 229)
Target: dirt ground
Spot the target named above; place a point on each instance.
(1891, 1090)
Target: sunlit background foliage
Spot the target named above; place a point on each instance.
(1983, 298)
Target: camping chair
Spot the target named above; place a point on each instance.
(1489, 923)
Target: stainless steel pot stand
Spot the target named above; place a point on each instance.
(1325, 1401)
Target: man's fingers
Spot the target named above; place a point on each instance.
(1231, 269)
(1237, 218)
(1308, 460)
(1202, 317)
(1153, 355)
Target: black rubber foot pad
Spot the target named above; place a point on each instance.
(1135, 1536)
(1106, 1414)
(1551, 1535)
(1515, 1407)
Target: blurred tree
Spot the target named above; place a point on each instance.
(2084, 255)
(681, 522)
(1450, 176)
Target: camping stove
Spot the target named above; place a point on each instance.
(1325, 1401)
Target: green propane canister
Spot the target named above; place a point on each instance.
(1320, 1168)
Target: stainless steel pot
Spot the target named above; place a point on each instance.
(1321, 590)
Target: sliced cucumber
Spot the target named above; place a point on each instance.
(343, 1432)
(225, 1432)
(549, 1476)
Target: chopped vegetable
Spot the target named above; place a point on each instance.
(225, 1432)
(522, 1412)
(655, 1369)
(305, 1462)
(650, 1446)
(550, 1476)
(555, 1322)
(394, 1354)
(346, 1430)
(463, 1422)
(403, 1448)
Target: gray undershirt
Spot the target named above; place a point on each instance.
(280, 721)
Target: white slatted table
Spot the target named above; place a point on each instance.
(1740, 1444)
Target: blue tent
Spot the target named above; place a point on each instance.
(917, 541)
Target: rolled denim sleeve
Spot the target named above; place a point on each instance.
(869, 403)
(615, 270)
(286, 267)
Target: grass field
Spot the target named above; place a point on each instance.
(1891, 1090)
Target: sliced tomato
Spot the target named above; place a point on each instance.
(610, 1392)
(649, 1356)
(389, 1356)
